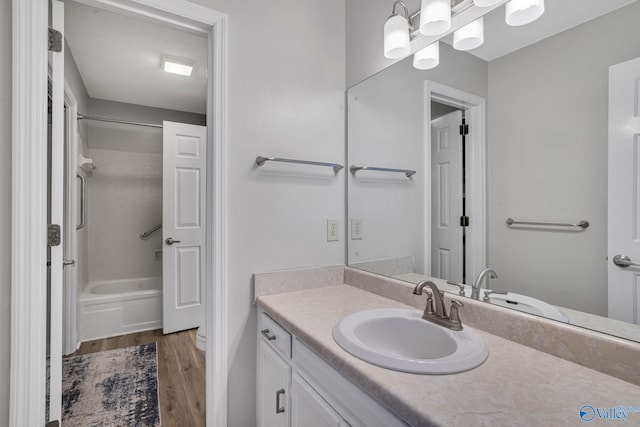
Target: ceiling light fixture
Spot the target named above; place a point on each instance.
(435, 17)
(523, 12)
(396, 32)
(427, 58)
(174, 65)
(470, 36)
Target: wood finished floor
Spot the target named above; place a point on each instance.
(181, 373)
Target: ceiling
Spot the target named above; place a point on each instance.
(560, 15)
(119, 59)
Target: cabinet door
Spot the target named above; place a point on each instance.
(308, 409)
(274, 377)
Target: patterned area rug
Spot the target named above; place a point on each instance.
(111, 388)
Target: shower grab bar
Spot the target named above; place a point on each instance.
(83, 200)
(581, 224)
(261, 160)
(408, 172)
(150, 231)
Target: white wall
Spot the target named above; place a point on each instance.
(386, 127)
(5, 207)
(547, 160)
(285, 98)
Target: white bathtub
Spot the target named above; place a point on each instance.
(115, 307)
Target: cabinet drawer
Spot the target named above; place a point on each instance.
(275, 335)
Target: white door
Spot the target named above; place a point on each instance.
(56, 217)
(309, 409)
(183, 225)
(274, 377)
(446, 197)
(624, 191)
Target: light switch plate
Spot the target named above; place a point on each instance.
(356, 228)
(333, 230)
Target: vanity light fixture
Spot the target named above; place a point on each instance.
(427, 58)
(396, 32)
(470, 36)
(435, 17)
(174, 65)
(486, 3)
(523, 12)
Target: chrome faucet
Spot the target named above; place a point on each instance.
(475, 289)
(438, 314)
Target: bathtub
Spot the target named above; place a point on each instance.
(115, 307)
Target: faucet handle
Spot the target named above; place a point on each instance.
(454, 316)
(428, 309)
(461, 291)
(487, 293)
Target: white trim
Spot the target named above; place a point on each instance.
(29, 213)
(70, 331)
(475, 108)
(29, 169)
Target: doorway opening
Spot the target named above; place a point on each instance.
(456, 231)
(29, 243)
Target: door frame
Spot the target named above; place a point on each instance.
(29, 198)
(476, 172)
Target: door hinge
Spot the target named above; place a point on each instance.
(53, 235)
(54, 423)
(464, 221)
(464, 129)
(55, 40)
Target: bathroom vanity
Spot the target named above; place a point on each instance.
(306, 379)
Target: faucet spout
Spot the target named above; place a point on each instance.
(477, 285)
(440, 309)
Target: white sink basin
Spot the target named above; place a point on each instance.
(528, 305)
(401, 340)
(522, 303)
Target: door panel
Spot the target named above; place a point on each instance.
(183, 213)
(446, 195)
(624, 190)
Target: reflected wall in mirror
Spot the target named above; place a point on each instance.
(540, 155)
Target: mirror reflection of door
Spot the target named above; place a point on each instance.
(447, 203)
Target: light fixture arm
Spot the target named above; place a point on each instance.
(403, 5)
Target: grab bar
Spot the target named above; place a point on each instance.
(408, 172)
(83, 200)
(260, 160)
(582, 224)
(150, 231)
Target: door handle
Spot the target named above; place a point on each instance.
(624, 261)
(279, 407)
(67, 262)
(170, 241)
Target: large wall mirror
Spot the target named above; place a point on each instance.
(544, 105)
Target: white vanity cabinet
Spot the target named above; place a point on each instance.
(297, 388)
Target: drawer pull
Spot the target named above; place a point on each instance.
(279, 408)
(267, 335)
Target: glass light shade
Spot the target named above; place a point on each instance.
(523, 12)
(470, 36)
(396, 37)
(427, 58)
(486, 3)
(435, 17)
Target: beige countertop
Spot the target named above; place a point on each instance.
(516, 386)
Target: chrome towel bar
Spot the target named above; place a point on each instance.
(83, 200)
(582, 224)
(150, 231)
(261, 160)
(408, 172)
